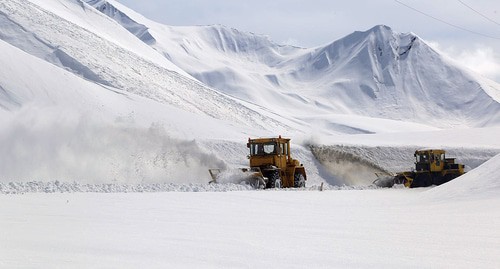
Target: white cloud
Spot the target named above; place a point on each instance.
(481, 59)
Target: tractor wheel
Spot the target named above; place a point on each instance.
(274, 180)
(299, 181)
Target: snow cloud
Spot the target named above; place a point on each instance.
(481, 59)
(59, 145)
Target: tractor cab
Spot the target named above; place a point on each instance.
(432, 160)
(269, 151)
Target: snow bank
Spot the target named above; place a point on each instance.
(75, 187)
(480, 183)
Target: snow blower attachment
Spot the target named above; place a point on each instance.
(271, 165)
(431, 168)
(251, 176)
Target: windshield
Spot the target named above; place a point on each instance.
(422, 158)
(263, 148)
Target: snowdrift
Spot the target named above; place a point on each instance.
(480, 183)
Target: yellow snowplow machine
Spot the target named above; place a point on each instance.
(431, 168)
(271, 166)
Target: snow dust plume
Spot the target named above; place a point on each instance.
(358, 165)
(346, 168)
(69, 147)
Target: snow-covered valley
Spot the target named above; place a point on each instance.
(110, 121)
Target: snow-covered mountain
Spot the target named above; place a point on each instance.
(375, 73)
(75, 65)
(78, 38)
(96, 98)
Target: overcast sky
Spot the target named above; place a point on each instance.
(317, 22)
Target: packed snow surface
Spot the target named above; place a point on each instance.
(389, 228)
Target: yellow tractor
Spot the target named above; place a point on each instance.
(271, 165)
(431, 168)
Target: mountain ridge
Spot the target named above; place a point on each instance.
(374, 73)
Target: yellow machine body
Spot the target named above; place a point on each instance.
(272, 156)
(431, 168)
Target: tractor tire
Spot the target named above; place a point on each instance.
(274, 180)
(299, 181)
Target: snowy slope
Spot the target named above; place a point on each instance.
(94, 133)
(480, 183)
(377, 73)
(52, 33)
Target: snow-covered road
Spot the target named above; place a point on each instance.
(382, 228)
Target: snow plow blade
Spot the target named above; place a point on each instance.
(385, 180)
(251, 176)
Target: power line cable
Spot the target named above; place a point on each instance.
(479, 13)
(445, 22)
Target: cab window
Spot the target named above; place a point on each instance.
(263, 148)
(422, 158)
